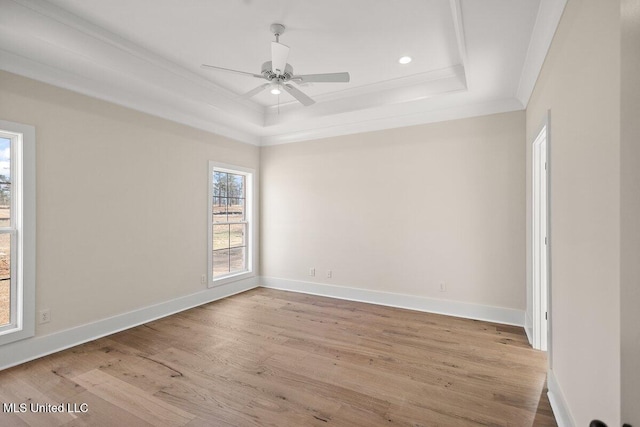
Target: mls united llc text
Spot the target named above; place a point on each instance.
(69, 408)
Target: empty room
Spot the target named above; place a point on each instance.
(317, 213)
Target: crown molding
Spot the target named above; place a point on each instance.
(547, 20)
(458, 25)
(63, 50)
(383, 120)
(168, 108)
(44, 42)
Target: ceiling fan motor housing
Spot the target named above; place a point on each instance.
(277, 29)
(270, 75)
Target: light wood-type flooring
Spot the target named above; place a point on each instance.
(274, 358)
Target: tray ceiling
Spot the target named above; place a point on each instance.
(469, 58)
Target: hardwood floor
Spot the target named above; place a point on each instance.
(274, 358)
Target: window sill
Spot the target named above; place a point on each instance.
(17, 334)
(230, 279)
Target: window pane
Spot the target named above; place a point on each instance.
(5, 278)
(236, 236)
(220, 236)
(5, 203)
(237, 259)
(219, 209)
(236, 210)
(220, 184)
(236, 186)
(5, 182)
(220, 262)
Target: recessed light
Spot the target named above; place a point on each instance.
(276, 91)
(404, 60)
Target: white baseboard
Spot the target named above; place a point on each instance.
(32, 348)
(502, 315)
(528, 328)
(558, 403)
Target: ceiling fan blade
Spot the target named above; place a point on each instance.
(279, 55)
(255, 91)
(297, 94)
(260, 76)
(323, 78)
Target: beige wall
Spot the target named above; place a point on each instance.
(401, 210)
(630, 193)
(121, 202)
(580, 84)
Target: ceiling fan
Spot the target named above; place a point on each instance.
(280, 75)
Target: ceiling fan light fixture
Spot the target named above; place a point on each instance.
(276, 91)
(405, 60)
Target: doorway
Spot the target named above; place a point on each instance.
(540, 240)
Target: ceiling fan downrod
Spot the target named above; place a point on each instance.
(277, 30)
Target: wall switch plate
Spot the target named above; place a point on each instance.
(312, 271)
(443, 287)
(203, 279)
(329, 274)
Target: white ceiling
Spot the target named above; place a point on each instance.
(470, 57)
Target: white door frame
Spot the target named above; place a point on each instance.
(541, 239)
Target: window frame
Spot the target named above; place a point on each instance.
(249, 175)
(23, 231)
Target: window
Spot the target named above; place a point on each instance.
(230, 223)
(17, 231)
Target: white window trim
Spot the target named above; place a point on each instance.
(249, 216)
(24, 196)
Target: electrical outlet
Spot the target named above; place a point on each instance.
(329, 274)
(44, 316)
(443, 287)
(203, 279)
(312, 271)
